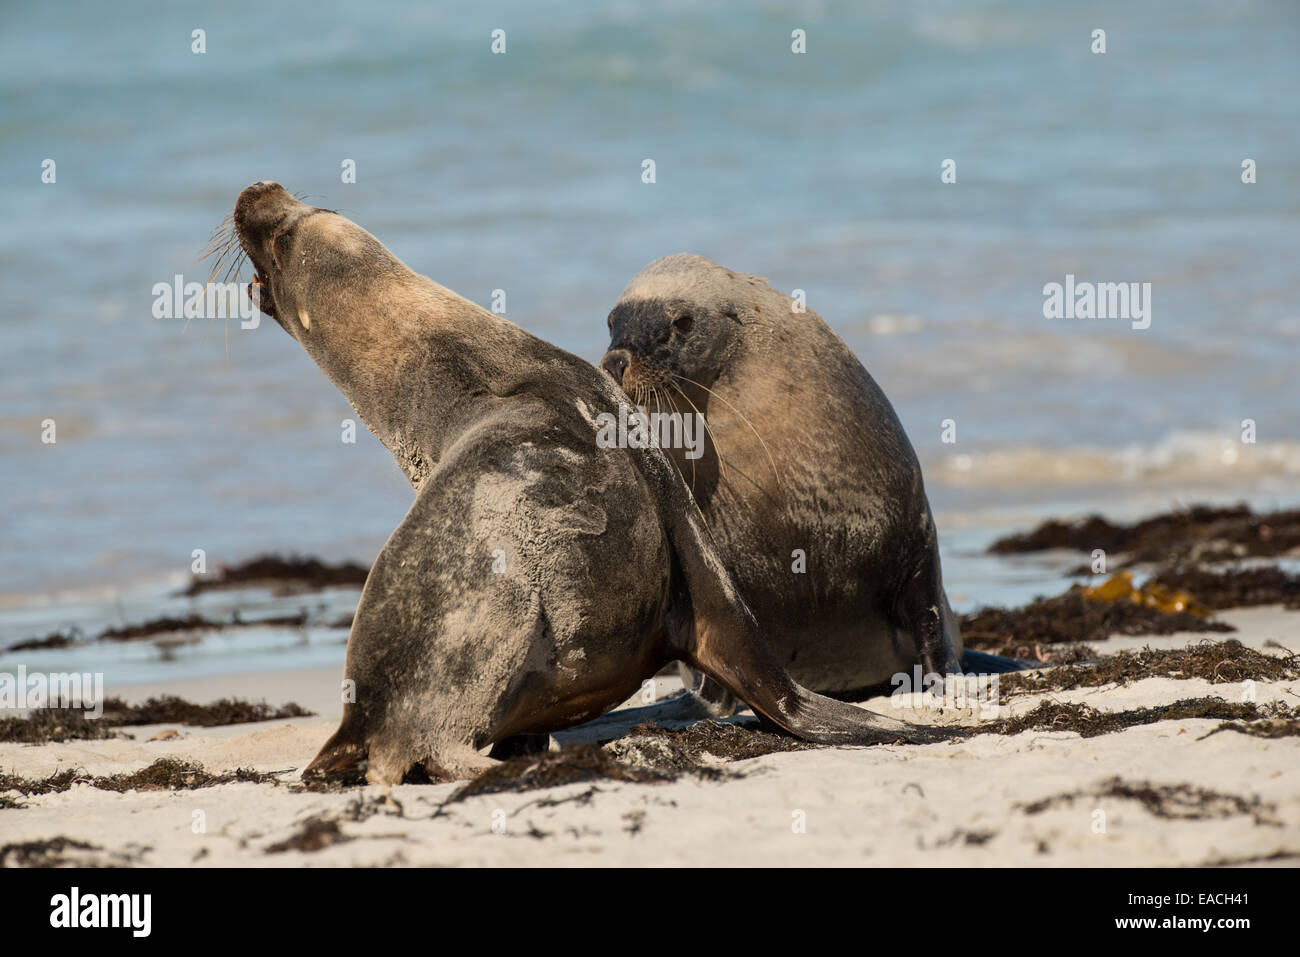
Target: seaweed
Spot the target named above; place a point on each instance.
(289, 574)
(169, 709)
(582, 763)
(165, 625)
(1074, 616)
(43, 725)
(1184, 802)
(1200, 533)
(731, 741)
(314, 835)
(1089, 722)
(165, 774)
(171, 774)
(1236, 588)
(51, 852)
(1214, 661)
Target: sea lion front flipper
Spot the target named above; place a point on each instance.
(709, 697)
(927, 616)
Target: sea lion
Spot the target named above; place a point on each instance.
(538, 578)
(808, 483)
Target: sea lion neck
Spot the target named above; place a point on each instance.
(415, 360)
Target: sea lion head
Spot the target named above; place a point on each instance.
(679, 323)
(295, 248)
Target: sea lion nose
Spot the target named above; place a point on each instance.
(615, 363)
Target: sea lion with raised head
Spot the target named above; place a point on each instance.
(538, 578)
(808, 483)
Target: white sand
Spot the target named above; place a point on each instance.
(957, 803)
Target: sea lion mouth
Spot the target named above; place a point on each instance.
(259, 290)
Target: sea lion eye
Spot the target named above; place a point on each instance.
(683, 324)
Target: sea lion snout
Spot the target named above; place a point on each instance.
(260, 206)
(262, 212)
(615, 363)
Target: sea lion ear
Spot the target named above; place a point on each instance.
(279, 240)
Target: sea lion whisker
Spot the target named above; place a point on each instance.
(717, 449)
(232, 272)
(214, 244)
(222, 255)
(672, 404)
(741, 416)
(222, 238)
(220, 252)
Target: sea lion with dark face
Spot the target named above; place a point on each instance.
(809, 485)
(538, 578)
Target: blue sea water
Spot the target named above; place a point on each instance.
(522, 172)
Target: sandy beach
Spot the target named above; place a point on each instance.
(1163, 793)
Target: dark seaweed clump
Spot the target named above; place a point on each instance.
(57, 639)
(52, 852)
(1072, 617)
(1201, 533)
(1238, 588)
(289, 574)
(170, 774)
(169, 709)
(1174, 802)
(165, 774)
(166, 625)
(1088, 722)
(730, 741)
(647, 754)
(45, 725)
(584, 762)
(1213, 661)
(315, 834)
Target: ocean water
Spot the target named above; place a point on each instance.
(522, 172)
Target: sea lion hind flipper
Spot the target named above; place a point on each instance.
(342, 754)
(742, 663)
